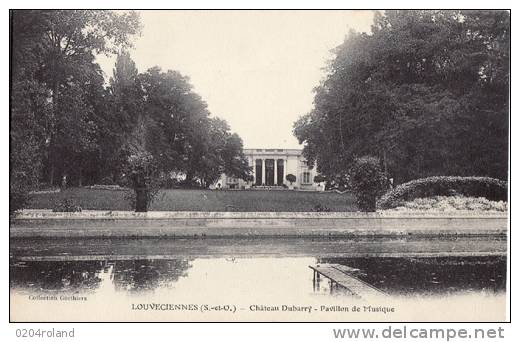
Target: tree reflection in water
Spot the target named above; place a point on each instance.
(430, 276)
(86, 276)
(146, 275)
(66, 276)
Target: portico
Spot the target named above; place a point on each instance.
(269, 172)
(270, 168)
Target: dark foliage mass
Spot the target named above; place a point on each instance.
(431, 276)
(68, 126)
(290, 178)
(66, 205)
(489, 188)
(368, 182)
(426, 92)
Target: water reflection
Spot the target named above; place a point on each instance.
(111, 277)
(67, 276)
(122, 288)
(146, 275)
(87, 276)
(430, 276)
(222, 276)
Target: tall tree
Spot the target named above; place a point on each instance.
(65, 121)
(68, 43)
(57, 87)
(183, 137)
(124, 111)
(217, 151)
(426, 92)
(28, 106)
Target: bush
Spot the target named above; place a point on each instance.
(452, 203)
(489, 188)
(141, 171)
(67, 206)
(24, 168)
(168, 183)
(339, 182)
(290, 178)
(18, 196)
(368, 182)
(107, 181)
(319, 179)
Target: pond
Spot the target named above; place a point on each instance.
(254, 280)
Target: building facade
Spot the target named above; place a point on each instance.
(270, 168)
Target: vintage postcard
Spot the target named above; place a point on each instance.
(259, 165)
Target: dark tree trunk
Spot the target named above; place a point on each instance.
(50, 128)
(141, 200)
(51, 175)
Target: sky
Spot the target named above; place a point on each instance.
(255, 69)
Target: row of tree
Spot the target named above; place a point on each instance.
(427, 92)
(67, 123)
(158, 112)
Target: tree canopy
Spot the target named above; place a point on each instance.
(179, 132)
(427, 92)
(67, 122)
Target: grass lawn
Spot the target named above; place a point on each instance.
(202, 200)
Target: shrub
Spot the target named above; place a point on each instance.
(367, 181)
(452, 203)
(24, 168)
(319, 179)
(142, 175)
(489, 188)
(107, 180)
(18, 195)
(67, 206)
(339, 182)
(290, 178)
(167, 182)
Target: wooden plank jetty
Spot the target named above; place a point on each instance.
(344, 276)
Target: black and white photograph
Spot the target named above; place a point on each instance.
(259, 165)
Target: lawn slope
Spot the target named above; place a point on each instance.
(202, 200)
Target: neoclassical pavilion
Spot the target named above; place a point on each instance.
(271, 166)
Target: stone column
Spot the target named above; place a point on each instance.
(275, 172)
(253, 163)
(263, 171)
(284, 170)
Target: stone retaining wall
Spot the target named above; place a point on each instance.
(41, 223)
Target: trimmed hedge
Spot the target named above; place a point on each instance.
(66, 206)
(489, 188)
